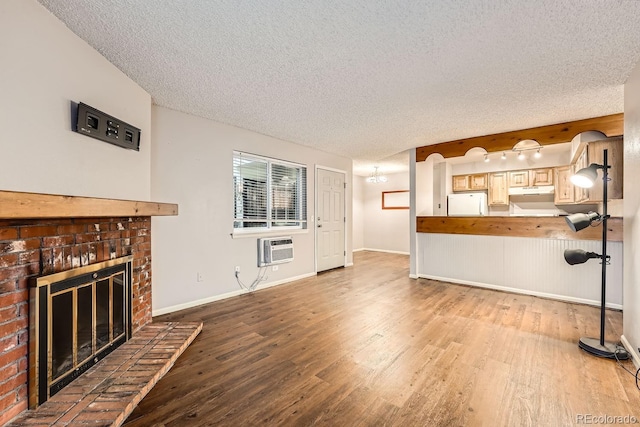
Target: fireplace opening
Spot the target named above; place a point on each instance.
(77, 317)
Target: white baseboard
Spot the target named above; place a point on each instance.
(214, 298)
(358, 250)
(631, 350)
(384, 250)
(521, 291)
(414, 276)
(349, 264)
(283, 281)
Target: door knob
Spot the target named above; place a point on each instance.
(319, 225)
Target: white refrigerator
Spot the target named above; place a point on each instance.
(467, 204)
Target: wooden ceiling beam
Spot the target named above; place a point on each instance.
(612, 125)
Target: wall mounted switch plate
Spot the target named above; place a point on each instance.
(96, 124)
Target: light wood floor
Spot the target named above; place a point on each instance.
(366, 345)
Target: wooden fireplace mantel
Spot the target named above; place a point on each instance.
(19, 205)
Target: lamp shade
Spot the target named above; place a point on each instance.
(586, 177)
(578, 221)
(578, 256)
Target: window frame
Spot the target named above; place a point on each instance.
(300, 198)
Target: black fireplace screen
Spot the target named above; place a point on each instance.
(77, 318)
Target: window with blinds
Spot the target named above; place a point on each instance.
(269, 194)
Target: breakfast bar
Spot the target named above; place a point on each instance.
(519, 254)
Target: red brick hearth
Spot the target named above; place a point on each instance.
(32, 248)
(108, 393)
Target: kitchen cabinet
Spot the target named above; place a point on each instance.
(616, 171)
(531, 177)
(478, 181)
(543, 176)
(592, 152)
(499, 189)
(581, 195)
(564, 192)
(460, 182)
(519, 178)
(470, 182)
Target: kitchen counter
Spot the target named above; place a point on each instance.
(545, 227)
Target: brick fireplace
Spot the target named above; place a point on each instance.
(30, 248)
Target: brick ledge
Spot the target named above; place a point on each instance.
(107, 393)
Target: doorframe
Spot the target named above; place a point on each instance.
(315, 217)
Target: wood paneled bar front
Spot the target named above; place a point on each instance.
(520, 226)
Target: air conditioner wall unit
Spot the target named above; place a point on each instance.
(274, 250)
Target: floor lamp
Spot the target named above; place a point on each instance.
(586, 178)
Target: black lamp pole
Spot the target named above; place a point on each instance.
(579, 221)
(605, 216)
(591, 345)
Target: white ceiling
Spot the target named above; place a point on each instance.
(369, 79)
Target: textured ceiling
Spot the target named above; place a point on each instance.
(368, 79)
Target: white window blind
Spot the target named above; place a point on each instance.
(269, 194)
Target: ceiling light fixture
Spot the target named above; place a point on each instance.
(527, 145)
(486, 158)
(375, 177)
(504, 156)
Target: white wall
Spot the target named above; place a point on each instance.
(358, 212)
(45, 67)
(631, 305)
(424, 186)
(385, 229)
(441, 187)
(192, 166)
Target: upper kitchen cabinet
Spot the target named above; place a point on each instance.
(519, 178)
(581, 195)
(542, 176)
(531, 177)
(615, 153)
(460, 182)
(593, 152)
(498, 189)
(478, 181)
(564, 193)
(470, 182)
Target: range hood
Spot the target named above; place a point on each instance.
(524, 191)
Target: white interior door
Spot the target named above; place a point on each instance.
(330, 221)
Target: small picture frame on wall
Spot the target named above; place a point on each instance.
(398, 199)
